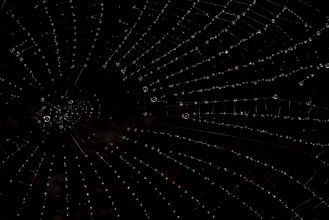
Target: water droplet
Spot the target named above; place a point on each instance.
(185, 115)
(46, 118)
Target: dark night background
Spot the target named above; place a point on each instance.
(177, 137)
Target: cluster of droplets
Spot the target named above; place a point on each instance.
(64, 116)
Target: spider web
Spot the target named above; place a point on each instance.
(164, 109)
